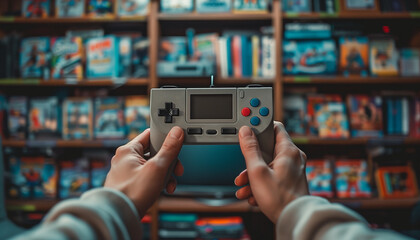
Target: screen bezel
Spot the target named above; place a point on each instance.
(210, 92)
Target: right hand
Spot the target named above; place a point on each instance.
(271, 186)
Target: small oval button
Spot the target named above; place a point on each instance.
(211, 131)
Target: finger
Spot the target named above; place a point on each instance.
(170, 148)
(171, 186)
(250, 148)
(242, 178)
(252, 201)
(141, 142)
(179, 168)
(283, 140)
(244, 192)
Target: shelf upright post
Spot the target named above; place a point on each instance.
(153, 30)
(278, 83)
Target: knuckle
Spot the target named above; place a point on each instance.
(259, 170)
(114, 160)
(121, 150)
(294, 153)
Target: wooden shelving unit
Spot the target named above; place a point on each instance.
(71, 82)
(346, 15)
(112, 143)
(348, 80)
(81, 20)
(214, 16)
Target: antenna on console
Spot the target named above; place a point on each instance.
(212, 81)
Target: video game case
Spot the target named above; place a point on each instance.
(354, 55)
(297, 6)
(35, 8)
(294, 109)
(102, 57)
(100, 163)
(69, 8)
(307, 31)
(109, 118)
(74, 177)
(132, 8)
(416, 119)
(365, 115)
(268, 62)
(205, 46)
(213, 6)
(173, 49)
(66, 60)
(77, 118)
(245, 6)
(332, 120)
(3, 111)
(140, 57)
(256, 56)
(176, 6)
(396, 182)
(383, 57)
(10, 56)
(17, 117)
(34, 57)
(222, 59)
(125, 51)
(237, 56)
(137, 115)
(44, 118)
(326, 6)
(352, 179)
(319, 175)
(100, 8)
(410, 62)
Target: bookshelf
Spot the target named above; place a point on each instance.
(154, 25)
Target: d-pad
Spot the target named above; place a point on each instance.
(168, 112)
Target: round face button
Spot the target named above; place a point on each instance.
(246, 112)
(255, 102)
(264, 111)
(255, 121)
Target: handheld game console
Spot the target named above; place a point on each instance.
(212, 115)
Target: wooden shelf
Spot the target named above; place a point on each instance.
(168, 204)
(357, 141)
(65, 143)
(214, 16)
(348, 80)
(55, 20)
(85, 82)
(42, 205)
(350, 15)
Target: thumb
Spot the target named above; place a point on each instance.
(250, 148)
(170, 147)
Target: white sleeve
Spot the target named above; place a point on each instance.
(101, 213)
(315, 218)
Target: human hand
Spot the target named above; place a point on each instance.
(140, 179)
(271, 186)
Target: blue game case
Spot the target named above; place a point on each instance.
(34, 57)
(131, 8)
(102, 58)
(69, 8)
(213, 6)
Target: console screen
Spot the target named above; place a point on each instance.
(211, 106)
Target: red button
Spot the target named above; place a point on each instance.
(246, 112)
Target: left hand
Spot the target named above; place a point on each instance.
(143, 180)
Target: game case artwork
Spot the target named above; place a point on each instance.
(100, 163)
(32, 177)
(44, 119)
(365, 115)
(396, 182)
(140, 57)
(66, 60)
(332, 120)
(102, 57)
(34, 57)
(319, 175)
(211, 6)
(77, 118)
(383, 57)
(109, 118)
(17, 115)
(69, 8)
(297, 6)
(74, 177)
(35, 8)
(100, 8)
(354, 5)
(354, 56)
(125, 51)
(294, 106)
(129, 8)
(173, 49)
(309, 57)
(250, 5)
(351, 179)
(137, 115)
(176, 6)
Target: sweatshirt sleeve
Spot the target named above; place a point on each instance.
(101, 213)
(315, 218)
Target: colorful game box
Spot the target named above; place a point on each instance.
(258, 6)
(297, 6)
(140, 55)
(137, 115)
(319, 175)
(130, 8)
(410, 62)
(205, 46)
(100, 163)
(416, 118)
(176, 6)
(17, 114)
(74, 177)
(102, 58)
(351, 179)
(66, 61)
(383, 57)
(109, 117)
(125, 51)
(332, 120)
(173, 49)
(397, 115)
(211, 6)
(365, 115)
(354, 55)
(77, 118)
(396, 182)
(100, 8)
(69, 8)
(44, 118)
(35, 8)
(32, 177)
(294, 114)
(33, 57)
(309, 57)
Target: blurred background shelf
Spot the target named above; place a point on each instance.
(349, 15)
(214, 16)
(81, 20)
(65, 143)
(70, 82)
(348, 80)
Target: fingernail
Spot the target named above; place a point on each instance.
(245, 131)
(176, 132)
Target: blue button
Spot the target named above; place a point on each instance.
(264, 111)
(255, 102)
(255, 121)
